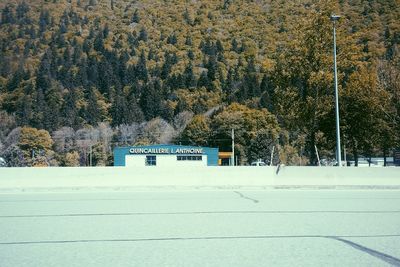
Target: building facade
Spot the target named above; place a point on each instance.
(165, 155)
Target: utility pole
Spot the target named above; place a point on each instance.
(233, 148)
(91, 152)
(272, 155)
(335, 18)
(344, 152)
(316, 151)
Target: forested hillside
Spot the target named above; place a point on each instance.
(78, 78)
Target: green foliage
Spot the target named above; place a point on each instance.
(198, 101)
(197, 132)
(363, 111)
(249, 125)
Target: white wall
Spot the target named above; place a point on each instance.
(135, 160)
(164, 161)
(220, 177)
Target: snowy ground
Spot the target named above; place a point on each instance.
(201, 228)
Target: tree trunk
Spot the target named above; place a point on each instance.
(355, 152)
(385, 152)
(311, 148)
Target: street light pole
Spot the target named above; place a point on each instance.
(233, 148)
(335, 18)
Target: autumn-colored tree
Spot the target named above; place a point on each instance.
(86, 62)
(262, 146)
(197, 132)
(71, 159)
(36, 145)
(247, 124)
(363, 104)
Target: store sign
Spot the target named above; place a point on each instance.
(134, 150)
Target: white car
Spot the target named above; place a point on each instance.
(3, 162)
(258, 163)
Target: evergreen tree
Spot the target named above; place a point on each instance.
(131, 77)
(77, 54)
(7, 15)
(141, 68)
(189, 77)
(22, 9)
(219, 46)
(122, 67)
(135, 113)
(229, 82)
(98, 43)
(197, 132)
(188, 41)
(32, 32)
(203, 80)
(15, 80)
(92, 110)
(187, 17)
(135, 17)
(104, 80)
(172, 39)
(70, 112)
(151, 55)
(150, 101)
(53, 98)
(132, 41)
(143, 35)
(92, 70)
(190, 54)
(174, 58)
(268, 94)
(212, 68)
(119, 109)
(250, 86)
(43, 73)
(44, 20)
(106, 31)
(262, 145)
(24, 110)
(234, 45)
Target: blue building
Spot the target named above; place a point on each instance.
(165, 155)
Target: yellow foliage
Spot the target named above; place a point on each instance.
(72, 159)
(35, 142)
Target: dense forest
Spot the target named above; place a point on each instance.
(79, 77)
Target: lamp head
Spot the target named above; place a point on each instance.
(335, 17)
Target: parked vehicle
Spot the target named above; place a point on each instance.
(3, 162)
(258, 163)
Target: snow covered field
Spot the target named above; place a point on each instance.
(201, 228)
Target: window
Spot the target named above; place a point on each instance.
(179, 158)
(151, 161)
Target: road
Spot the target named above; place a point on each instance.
(201, 228)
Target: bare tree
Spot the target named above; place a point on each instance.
(13, 137)
(86, 138)
(105, 137)
(181, 120)
(128, 134)
(7, 124)
(158, 131)
(64, 140)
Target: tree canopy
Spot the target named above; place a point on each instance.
(263, 68)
